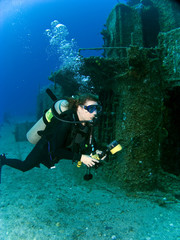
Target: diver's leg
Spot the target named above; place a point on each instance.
(18, 164)
(33, 160)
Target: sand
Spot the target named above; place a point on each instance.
(56, 204)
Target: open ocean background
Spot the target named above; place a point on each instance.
(26, 59)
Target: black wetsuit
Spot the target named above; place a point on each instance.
(60, 140)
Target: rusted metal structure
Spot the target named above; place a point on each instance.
(136, 80)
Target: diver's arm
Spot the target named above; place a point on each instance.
(61, 152)
(58, 141)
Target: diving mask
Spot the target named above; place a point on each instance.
(92, 108)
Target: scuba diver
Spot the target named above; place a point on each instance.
(68, 135)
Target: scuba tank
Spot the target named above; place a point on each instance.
(57, 108)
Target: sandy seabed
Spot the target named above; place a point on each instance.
(55, 204)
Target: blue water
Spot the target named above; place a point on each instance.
(26, 59)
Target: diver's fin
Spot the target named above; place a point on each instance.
(0, 174)
(2, 157)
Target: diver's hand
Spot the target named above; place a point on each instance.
(88, 161)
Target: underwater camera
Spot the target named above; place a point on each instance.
(113, 148)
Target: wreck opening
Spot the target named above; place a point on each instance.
(170, 146)
(150, 24)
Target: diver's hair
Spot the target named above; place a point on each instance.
(78, 100)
